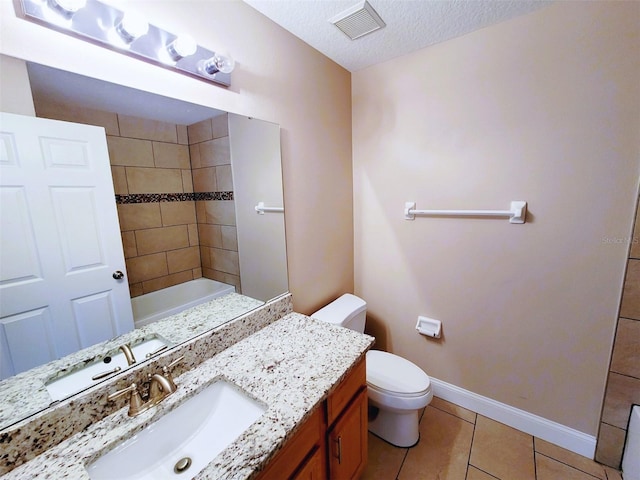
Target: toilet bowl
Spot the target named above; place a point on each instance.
(397, 389)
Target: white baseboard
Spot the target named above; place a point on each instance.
(540, 427)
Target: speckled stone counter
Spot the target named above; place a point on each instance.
(25, 393)
(290, 365)
(34, 435)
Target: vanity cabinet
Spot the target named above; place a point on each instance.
(332, 443)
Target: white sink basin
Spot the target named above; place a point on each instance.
(80, 379)
(198, 429)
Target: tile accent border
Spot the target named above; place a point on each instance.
(553, 432)
(172, 197)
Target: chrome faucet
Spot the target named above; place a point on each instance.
(160, 387)
(128, 354)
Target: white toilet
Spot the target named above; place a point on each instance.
(397, 388)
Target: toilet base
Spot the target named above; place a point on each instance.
(399, 428)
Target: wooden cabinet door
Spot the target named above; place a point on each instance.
(347, 441)
(287, 461)
(313, 468)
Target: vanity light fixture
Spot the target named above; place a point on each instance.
(97, 22)
(130, 27)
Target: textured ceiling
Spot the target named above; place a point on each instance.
(411, 24)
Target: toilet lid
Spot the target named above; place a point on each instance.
(392, 373)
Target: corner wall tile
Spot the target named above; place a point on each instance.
(224, 178)
(194, 237)
(187, 181)
(630, 306)
(220, 126)
(199, 132)
(635, 243)
(210, 235)
(229, 237)
(194, 155)
(610, 445)
(622, 392)
(183, 135)
(215, 152)
(225, 261)
(626, 350)
(204, 180)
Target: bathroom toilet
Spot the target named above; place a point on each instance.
(397, 389)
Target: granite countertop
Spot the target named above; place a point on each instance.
(290, 365)
(15, 404)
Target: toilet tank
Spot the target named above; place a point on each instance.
(347, 311)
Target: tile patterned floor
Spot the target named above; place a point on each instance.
(458, 444)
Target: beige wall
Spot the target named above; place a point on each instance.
(543, 108)
(277, 78)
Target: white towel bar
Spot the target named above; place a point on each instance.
(517, 213)
(260, 209)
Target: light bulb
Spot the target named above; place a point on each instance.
(131, 26)
(66, 8)
(217, 63)
(181, 47)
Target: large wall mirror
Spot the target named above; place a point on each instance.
(199, 203)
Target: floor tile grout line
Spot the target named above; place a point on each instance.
(535, 463)
(404, 458)
(473, 436)
(454, 415)
(572, 466)
(481, 470)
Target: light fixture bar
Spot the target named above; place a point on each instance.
(96, 21)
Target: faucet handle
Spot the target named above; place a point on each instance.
(136, 405)
(166, 372)
(174, 363)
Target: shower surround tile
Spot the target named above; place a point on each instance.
(136, 127)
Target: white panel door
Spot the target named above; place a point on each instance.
(59, 243)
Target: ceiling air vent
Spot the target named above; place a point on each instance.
(358, 20)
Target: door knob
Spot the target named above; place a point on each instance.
(118, 275)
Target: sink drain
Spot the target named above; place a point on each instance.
(182, 465)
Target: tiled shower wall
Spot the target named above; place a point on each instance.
(211, 164)
(152, 175)
(623, 385)
(150, 162)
